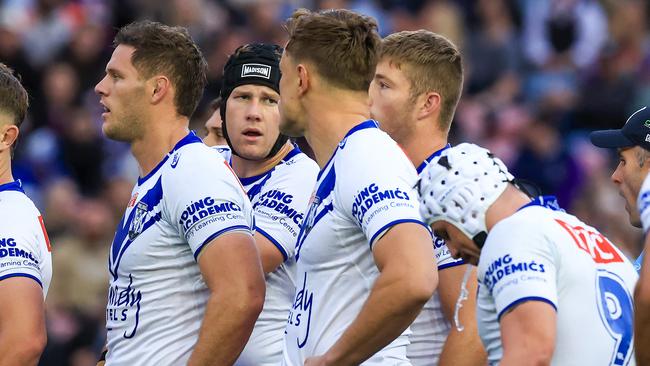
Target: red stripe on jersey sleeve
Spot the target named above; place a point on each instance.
(47, 238)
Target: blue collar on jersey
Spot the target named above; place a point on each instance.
(190, 138)
(12, 186)
(371, 123)
(289, 156)
(549, 202)
(426, 161)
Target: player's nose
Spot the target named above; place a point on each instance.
(100, 88)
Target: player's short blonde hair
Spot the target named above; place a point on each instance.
(430, 62)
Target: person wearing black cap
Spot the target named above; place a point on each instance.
(278, 178)
(631, 176)
(632, 142)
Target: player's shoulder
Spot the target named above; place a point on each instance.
(194, 160)
(370, 147)
(224, 150)
(298, 165)
(527, 227)
(367, 136)
(16, 208)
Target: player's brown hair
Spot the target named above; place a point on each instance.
(13, 96)
(430, 62)
(341, 44)
(170, 51)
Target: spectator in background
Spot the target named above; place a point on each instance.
(544, 159)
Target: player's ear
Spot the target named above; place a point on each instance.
(8, 135)
(428, 104)
(159, 87)
(303, 79)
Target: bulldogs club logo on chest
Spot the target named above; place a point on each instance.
(141, 210)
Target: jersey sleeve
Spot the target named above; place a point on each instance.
(378, 185)
(280, 207)
(21, 247)
(443, 256)
(518, 264)
(204, 199)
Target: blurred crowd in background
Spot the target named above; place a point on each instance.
(540, 74)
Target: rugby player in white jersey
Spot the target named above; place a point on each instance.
(552, 289)
(363, 255)
(413, 96)
(25, 258)
(186, 282)
(279, 180)
(631, 176)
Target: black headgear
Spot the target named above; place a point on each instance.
(257, 64)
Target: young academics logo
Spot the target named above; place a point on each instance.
(256, 70)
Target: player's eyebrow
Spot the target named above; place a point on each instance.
(112, 70)
(381, 76)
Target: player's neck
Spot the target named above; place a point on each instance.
(5, 168)
(421, 143)
(330, 117)
(159, 139)
(249, 168)
(509, 202)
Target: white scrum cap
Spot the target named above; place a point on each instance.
(460, 185)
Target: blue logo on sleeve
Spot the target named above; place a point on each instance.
(8, 249)
(205, 208)
(371, 196)
(280, 202)
(504, 266)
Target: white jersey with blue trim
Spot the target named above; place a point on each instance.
(280, 198)
(157, 295)
(541, 253)
(24, 246)
(360, 193)
(224, 150)
(430, 329)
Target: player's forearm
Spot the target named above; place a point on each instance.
(390, 308)
(227, 325)
(526, 357)
(20, 349)
(642, 336)
(463, 348)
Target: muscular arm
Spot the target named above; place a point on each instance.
(642, 310)
(231, 269)
(22, 322)
(407, 280)
(461, 348)
(528, 334)
(270, 255)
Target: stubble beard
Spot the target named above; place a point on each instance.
(126, 128)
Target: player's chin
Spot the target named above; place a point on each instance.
(253, 152)
(116, 133)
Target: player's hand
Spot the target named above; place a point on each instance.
(316, 361)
